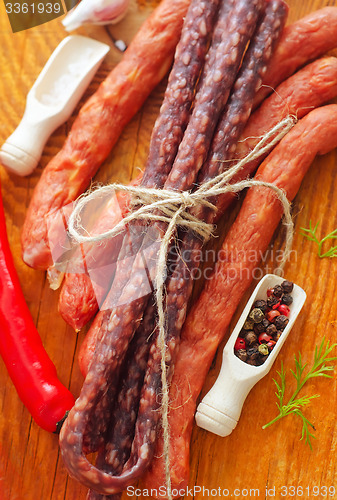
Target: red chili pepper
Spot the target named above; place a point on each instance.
(30, 368)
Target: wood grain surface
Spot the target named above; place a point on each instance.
(30, 464)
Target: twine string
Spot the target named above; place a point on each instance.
(173, 208)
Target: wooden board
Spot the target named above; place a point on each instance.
(30, 464)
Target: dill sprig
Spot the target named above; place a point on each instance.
(295, 404)
(311, 235)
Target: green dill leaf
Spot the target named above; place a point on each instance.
(310, 234)
(295, 404)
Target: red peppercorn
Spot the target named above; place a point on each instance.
(285, 310)
(239, 344)
(271, 315)
(269, 292)
(271, 344)
(264, 338)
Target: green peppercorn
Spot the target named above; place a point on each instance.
(242, 354)
(281, 322)
(287, 286)
(256, 315)
(263, 349)
(249, 324)
(287, 299)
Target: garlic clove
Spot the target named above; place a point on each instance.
(96, 12)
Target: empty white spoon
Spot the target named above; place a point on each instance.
(220, 409)
(51, 100)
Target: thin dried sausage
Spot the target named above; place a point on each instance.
(179, 95)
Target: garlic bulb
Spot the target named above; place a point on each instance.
(95, 12)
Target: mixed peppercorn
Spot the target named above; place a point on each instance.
(264, 325)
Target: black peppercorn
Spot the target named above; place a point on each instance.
(261, 327)
(242, 354)
(287, 299)
(277, 291)
(272, 301)
(287, 286)
(250, 338)
(260, 360)
(256, 315)
(260, 304)
(277, 335)
(271, 330)
(281, 322)
(253, 353)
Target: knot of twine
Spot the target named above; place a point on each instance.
(173, 208)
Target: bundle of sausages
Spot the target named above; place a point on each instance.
(78, 302)
(203, 123)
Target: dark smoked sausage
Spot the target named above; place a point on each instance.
(179, 95)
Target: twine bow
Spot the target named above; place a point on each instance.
(173, 208)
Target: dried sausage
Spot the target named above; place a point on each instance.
(223, 146)
(219, 75)
(179, 95)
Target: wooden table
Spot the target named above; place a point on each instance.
(30, 464)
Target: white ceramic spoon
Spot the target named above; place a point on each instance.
(220, 409)
(51, 100)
